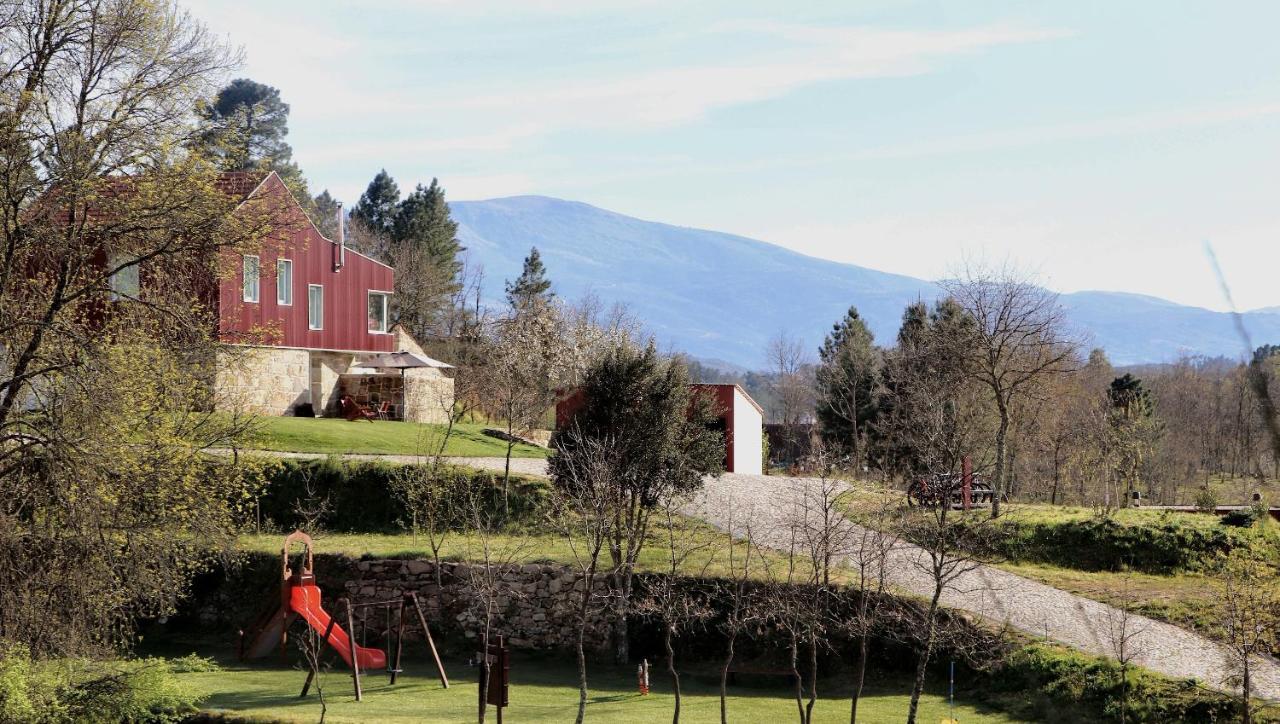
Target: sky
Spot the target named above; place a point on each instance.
(1095, 145)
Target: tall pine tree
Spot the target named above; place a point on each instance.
(326, 215)
(848, 370)
(244, 128)
(532, 284)
(424, 250)
(379, 204)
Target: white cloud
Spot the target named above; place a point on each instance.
(667, 96)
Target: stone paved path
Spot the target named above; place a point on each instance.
(1001, 597)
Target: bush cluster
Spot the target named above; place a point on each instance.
(358, 495)
(1161, 546)
(143, 691)
(1096, 685)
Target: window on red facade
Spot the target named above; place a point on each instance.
(251, 280)
(378, 311)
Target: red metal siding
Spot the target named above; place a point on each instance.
(346, 321)
(723, 400)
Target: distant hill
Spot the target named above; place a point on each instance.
(721, 297)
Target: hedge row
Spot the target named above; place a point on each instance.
(359, 497)
(1102, 544)
(1095, 684)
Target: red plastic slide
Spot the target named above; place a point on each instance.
(305, 601)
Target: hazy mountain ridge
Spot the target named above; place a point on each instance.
(722, 296)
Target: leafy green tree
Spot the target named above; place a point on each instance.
(326, 214)
(108, 504)
(662, 444)
(847, 375)
(532, 284)
(378, 205)
(424, 249)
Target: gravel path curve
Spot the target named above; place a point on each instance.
(1001, 597)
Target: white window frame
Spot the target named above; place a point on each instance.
(257, 279)
(284, 293)
(127, 282)
(386, 310)
(311, 307)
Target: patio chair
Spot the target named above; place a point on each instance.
(384, 410)
(353, 410)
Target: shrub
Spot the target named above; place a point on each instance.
(1159, 545)
(361, 499)
(74, 690)
(1206, 501)
(1096, 684)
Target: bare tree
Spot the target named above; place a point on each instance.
(584, 504)
(950, 548)
(737, 590)
(493, 560)
(1020, 335)
(311, 648)
(670, 598)
(1125, 629)
(792, 386)
(1249, 619)
(871, 544)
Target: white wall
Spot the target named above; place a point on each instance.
(748, 431)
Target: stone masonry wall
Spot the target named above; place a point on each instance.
(264, 380)
(535, 604)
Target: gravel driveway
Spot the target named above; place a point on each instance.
(1001, 597)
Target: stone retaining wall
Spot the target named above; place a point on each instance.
(534, 604)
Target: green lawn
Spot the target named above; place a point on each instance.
(536, 546)
(543, 689)
(337, 436)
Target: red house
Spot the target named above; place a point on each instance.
(300, 313)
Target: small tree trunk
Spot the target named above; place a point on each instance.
(1246, 687)
(794, 650)
(926, 650)
(1001, 434)
(813, 678)
(583, 605)
(724, 677)
(671, 669)
(859, 676)
(506, 472)
(582, 671)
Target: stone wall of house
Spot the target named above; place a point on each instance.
(263, 380)
(428, 395)
(534, 608)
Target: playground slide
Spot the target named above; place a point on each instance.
(305, 601)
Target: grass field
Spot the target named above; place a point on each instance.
(711, 557)
(1186, 600)
(337, 436)
(544, 690)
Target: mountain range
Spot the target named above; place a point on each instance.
(721, 297)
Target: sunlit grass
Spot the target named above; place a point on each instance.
(543, 689)
(337, 436)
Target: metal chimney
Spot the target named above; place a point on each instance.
(342, 240)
